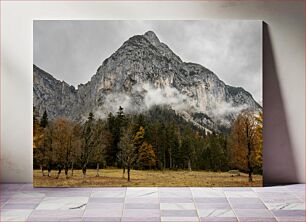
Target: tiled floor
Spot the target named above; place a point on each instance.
(21, 202)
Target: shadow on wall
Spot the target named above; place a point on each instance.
(279, 163)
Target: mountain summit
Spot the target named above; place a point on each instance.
(152, 38)
(142, 73)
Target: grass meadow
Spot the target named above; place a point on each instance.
(144, 178)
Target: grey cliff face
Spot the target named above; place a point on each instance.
(141, 73)
(52, 95)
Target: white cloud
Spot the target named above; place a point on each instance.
(152, 96)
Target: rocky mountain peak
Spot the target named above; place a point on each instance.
(152, 38)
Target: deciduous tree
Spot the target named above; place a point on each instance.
(127, 154)
(258, 151)
(103, 138)
(146, 156)
(244, 142)
(63, 143)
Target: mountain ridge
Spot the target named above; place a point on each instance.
(143, 72)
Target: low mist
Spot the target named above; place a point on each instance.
(144, 96)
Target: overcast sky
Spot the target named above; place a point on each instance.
(73, 50)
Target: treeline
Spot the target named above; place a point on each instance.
(157, 139)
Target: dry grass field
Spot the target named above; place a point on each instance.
(143, 178)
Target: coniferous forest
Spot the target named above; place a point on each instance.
(156, 140)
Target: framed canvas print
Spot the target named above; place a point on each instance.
(147, 103)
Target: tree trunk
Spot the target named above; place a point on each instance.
(58, 173)
(66, 171)
(189, 165)
(72, 169)
(170, 160)
(128, 171)
(123, 173)
(250, 176)
(250, 169)
(98, 167)
(49, 170)
(84, 172)
(164, 163)
(42, 170)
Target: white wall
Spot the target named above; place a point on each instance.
(284, 88)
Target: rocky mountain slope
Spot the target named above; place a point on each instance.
(142, 73)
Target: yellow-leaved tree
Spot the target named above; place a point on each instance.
(259, 149)
(244, 143)
(146, 156)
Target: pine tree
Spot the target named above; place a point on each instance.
(89, 142)
(116, 125)
(38, 138)
(91, 116)
(111, 151)
(177, 151)
(44, 120)
(188, 146)
(162, 146)
(171, 142)
(120, 112)
(37, 130)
